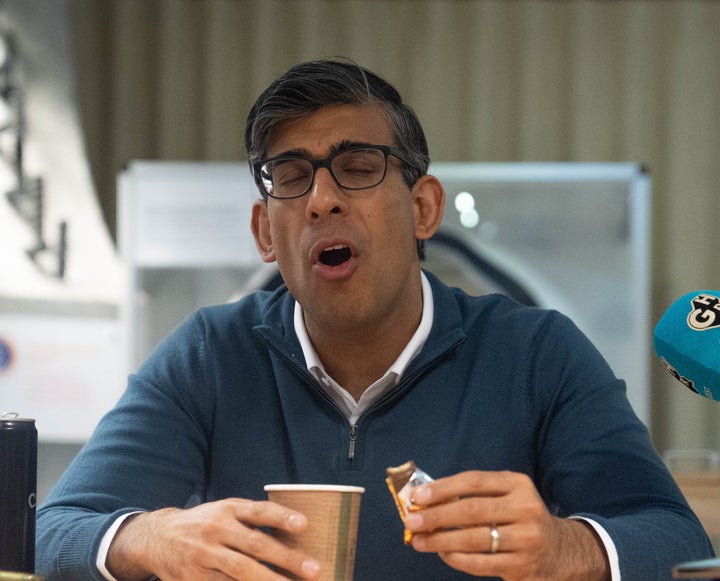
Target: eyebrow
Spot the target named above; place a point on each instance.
(344, 144)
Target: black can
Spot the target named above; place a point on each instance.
(18, 493)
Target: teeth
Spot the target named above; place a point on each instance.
(336, 247)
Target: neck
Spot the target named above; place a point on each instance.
(358, 356)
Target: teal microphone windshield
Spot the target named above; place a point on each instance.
(687, 340)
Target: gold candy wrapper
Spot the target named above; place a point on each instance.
(401, 480)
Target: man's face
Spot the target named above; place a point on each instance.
(348, 257)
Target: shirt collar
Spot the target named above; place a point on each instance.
(413, 347)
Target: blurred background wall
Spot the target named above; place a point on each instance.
(492, 80)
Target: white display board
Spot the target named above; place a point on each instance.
(63, 371)
(185, 241)
(186, 214)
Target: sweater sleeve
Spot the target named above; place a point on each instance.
(596, 459)
(148, 452)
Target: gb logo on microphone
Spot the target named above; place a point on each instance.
(705, 314)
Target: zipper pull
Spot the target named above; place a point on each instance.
(353, 436)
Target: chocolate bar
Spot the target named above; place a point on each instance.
(401, 480)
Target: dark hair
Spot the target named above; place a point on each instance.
(311, 85)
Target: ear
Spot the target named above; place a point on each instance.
(260, 225)
(429, 200)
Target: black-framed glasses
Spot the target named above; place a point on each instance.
(357, 167)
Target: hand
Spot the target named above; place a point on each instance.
(532, 544)
(218, 540)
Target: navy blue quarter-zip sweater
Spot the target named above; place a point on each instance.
(226, 405)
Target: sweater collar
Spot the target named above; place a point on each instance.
(279, 331)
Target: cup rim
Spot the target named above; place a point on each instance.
(314, 488)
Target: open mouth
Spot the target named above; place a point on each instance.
(335, 255)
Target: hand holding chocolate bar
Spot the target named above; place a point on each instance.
(498, 526)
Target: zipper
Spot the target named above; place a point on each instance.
(308, 379)
(353, 437)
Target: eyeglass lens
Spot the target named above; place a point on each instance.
(354, 169)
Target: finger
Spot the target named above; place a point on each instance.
(263, 547)
(473, 511)
(474, 482)
(269, 514)
(474, 540)
(240, 566)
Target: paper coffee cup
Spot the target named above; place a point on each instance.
(331, 535)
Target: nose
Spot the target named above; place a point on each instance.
(325, 196)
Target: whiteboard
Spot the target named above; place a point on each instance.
(63, 371)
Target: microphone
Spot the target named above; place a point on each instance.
(687, 340)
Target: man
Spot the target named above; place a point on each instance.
(362, 362)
